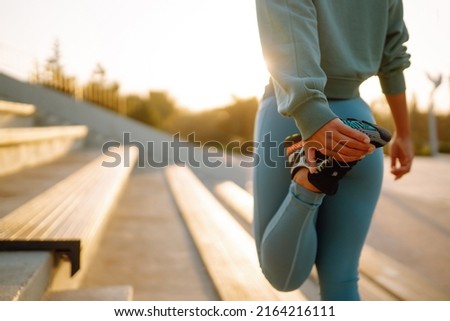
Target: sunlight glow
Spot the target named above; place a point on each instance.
(201, 52)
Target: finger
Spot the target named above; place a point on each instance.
(400, 171)
(347, 154)
(354, 134)
(393, 162)
(397, 173)
(347, 146)
(350, 142)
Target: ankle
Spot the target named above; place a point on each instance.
(301, 178)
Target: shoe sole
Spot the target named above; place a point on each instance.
(378, 135)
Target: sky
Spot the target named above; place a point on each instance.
(202, 52)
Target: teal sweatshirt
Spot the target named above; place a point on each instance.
(316, 50)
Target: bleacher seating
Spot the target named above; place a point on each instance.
(61, 225)
(25, 147)
(14, 114)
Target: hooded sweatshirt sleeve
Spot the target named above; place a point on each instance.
(395, 57)
(290, 45)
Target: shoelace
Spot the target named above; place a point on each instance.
(324, 164)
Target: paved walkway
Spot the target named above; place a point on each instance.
(146, 245)
(412, 220)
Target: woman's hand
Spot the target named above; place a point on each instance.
(401, 148)
(339, 141)
(402, 154)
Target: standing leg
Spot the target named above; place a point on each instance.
(344, 219)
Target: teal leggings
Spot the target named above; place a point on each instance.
(295, 228)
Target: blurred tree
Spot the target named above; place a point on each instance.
(443, 124)
(155, 110)
(137, 108)
(420, 131)
(232, 123)
(53, 74)
(98, 74)
(35, 76)
(100, 92)
(161, 106)
(54, 61)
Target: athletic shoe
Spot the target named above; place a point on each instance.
(378, 135)
(329, 171)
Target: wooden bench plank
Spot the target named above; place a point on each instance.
(240, 201)
(30, 146)
(68, 216)
(16, 108)
(13, 136)
(226, 249)
(382, 278)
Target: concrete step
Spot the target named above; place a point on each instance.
(24, 275)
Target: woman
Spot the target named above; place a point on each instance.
(318, 53)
